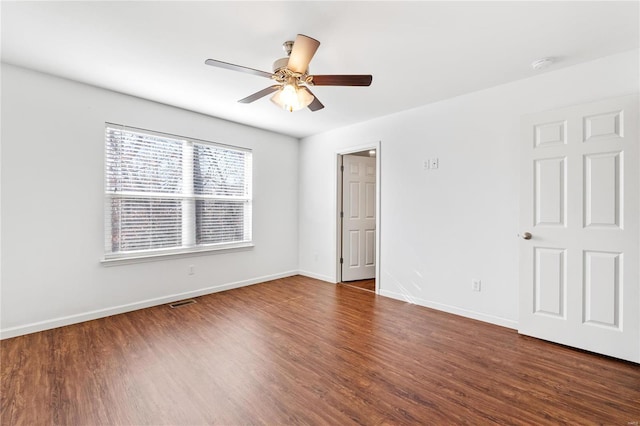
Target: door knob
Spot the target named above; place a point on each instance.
(527, 235)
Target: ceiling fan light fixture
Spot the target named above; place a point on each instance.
(292, 78)
(292, 98)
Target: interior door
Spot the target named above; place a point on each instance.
(579, 226)
(358, 217)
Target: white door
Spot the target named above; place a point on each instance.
(579, 202)
(358, 217)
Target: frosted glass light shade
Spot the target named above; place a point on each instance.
(292, 98)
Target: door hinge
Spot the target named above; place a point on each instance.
(342, 168)
(341, 214)
(341, 260)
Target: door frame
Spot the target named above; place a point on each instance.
(338, 202)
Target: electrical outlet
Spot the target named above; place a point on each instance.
(192, 269)
(476, 285)
(426, 164)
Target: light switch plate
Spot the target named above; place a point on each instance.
(476, 285)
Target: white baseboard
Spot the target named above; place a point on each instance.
(101, 313)
(503, 322)
(317, 276)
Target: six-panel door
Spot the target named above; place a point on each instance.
(359, 217)
(579, 280)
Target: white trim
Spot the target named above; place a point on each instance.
(150, 256)
(101, 313)
(320, 277)
(491, 319)
(156, 133)
(377, 146)
(378, 281)
(359, 148)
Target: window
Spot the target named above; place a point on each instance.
(169, 194)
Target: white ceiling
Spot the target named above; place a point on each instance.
(417, 52)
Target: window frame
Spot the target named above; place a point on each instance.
(189, 198)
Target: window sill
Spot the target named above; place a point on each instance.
(153, 257)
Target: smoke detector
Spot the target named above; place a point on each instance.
(541, 64)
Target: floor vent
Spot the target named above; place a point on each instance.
(182, 303)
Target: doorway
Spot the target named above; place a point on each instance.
(358, 218)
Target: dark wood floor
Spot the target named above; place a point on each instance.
(369, 285)
(300, 351)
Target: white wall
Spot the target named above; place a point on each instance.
(52, 206)
(439, 228)
(442, 228)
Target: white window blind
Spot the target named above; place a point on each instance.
(166, 194)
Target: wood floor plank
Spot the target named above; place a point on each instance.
(369, 285)
(300, 351)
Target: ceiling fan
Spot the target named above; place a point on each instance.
(293, 78)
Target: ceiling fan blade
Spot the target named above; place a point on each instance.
(315, 105)
(342, 80)
(240, 68)
(260, 94)
(303, 50)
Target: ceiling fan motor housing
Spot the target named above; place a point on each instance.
(280, 64)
